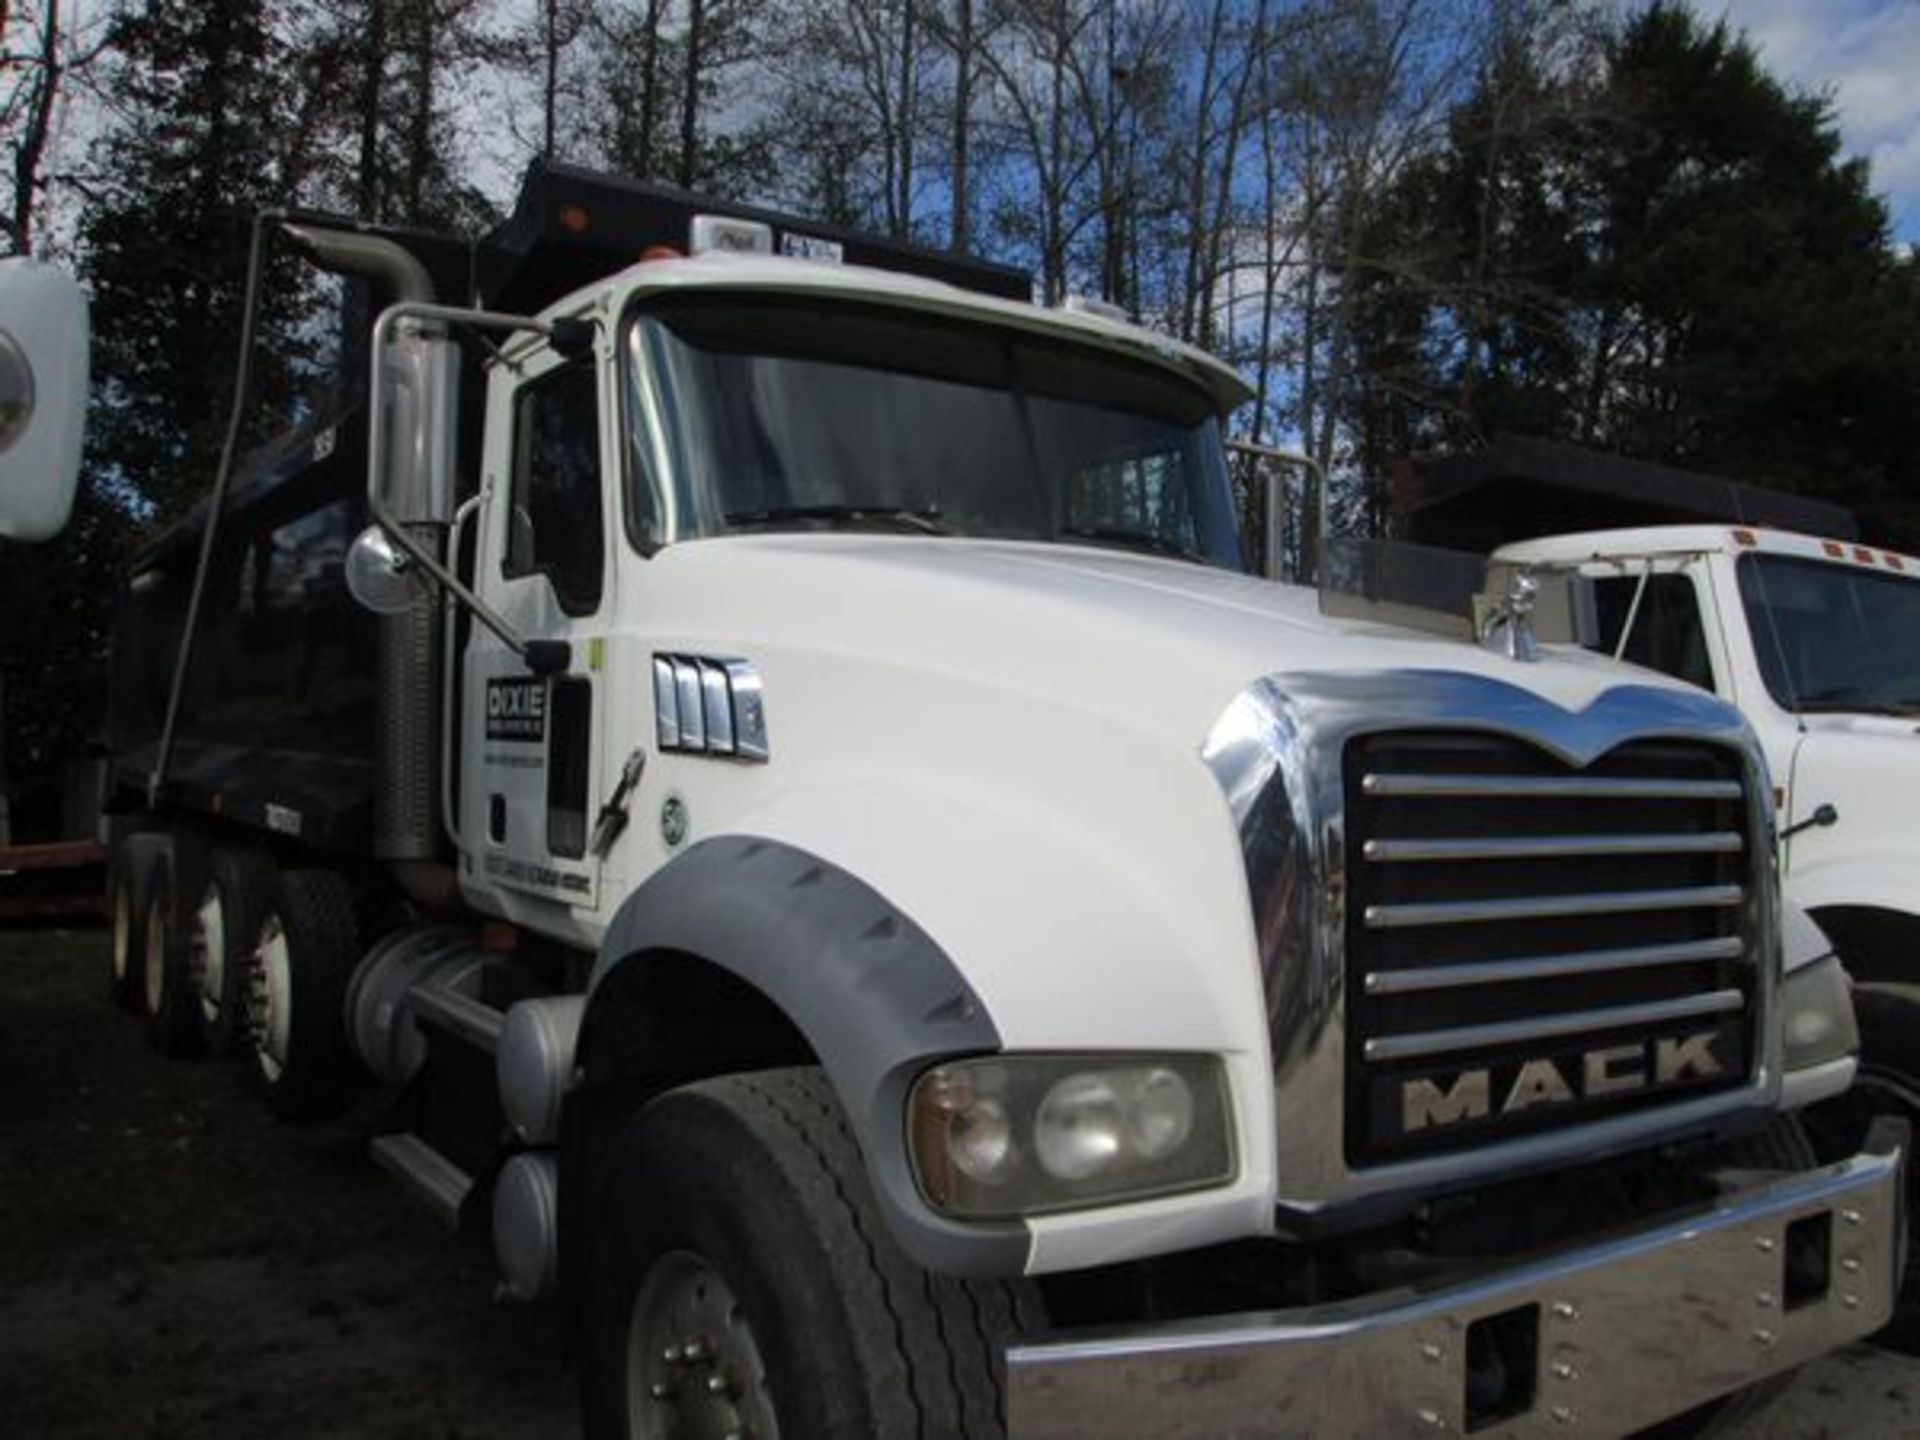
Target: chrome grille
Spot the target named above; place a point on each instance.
(1531, 944)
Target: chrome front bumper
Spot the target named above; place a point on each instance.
(1617, 1334)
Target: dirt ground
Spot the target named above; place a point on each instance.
(174, 1264)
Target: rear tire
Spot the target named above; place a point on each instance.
(303, 954)
(166, 990)
(735, 1215)
(129, 878)
(222, 931)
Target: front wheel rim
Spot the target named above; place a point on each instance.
(207, 954)
(270, 998)
(694, 1370)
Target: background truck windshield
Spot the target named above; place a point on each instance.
(754, 413)
(1833, 637)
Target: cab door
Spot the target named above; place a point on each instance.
(543, 566)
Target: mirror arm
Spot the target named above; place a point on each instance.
(542, 657)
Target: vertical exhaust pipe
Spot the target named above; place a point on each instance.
(419, 378)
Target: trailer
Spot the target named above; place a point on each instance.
(854, 894)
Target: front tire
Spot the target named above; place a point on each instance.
(743, 1281)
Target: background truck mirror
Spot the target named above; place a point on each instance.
(43, 396)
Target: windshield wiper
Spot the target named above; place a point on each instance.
(927, 522)
(1855, 699)
(1133, 540)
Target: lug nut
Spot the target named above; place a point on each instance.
(1850, 1265)
(1763, 1337)
(1561, 1415)
(1433, 1420)
(1764, 1299)
(1563, 1371)
(1764, 1244)
(1853, 1217)
(1432, 1354)
(719, 1385)
(1565, 1310)
(696, 1351)
(660, 1391)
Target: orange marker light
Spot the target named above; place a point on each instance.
(1834, 548)
(1894, 562)
(573, 219)
(1863, 554)
(661, 252)
(1746, 538)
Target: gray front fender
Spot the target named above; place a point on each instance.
(876, 999)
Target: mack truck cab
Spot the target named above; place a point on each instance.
(855, 893)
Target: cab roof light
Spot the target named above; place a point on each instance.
(1834, 548)
(1745, 538)
(730, 236)
(1091, 305)
(1863, 554)
(1894, 562)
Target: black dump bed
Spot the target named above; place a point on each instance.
(1519, 488)
(277, 722)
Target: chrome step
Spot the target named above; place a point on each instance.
(461, 1015)
(426, 1174)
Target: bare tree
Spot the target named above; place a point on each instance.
(39, 56)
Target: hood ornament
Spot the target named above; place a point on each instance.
(1506, 625)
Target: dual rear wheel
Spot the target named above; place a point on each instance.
(221, 951)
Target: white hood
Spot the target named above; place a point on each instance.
(1164, 643)
(1006, 741)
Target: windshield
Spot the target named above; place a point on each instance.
(1833, 637)
(768, 412)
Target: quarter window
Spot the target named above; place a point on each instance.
(554, 527)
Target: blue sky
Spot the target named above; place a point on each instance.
(1863, 54)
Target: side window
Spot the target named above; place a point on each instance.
(1667, 632)
(554, 525)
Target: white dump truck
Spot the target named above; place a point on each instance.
(863, 901)
(1818, 642)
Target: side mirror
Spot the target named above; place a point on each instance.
(43, 396)
(381, 576)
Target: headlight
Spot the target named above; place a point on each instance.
(1816, 1009)
(1015, 1135)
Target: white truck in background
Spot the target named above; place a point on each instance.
(1817, 641)
(857, 896)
